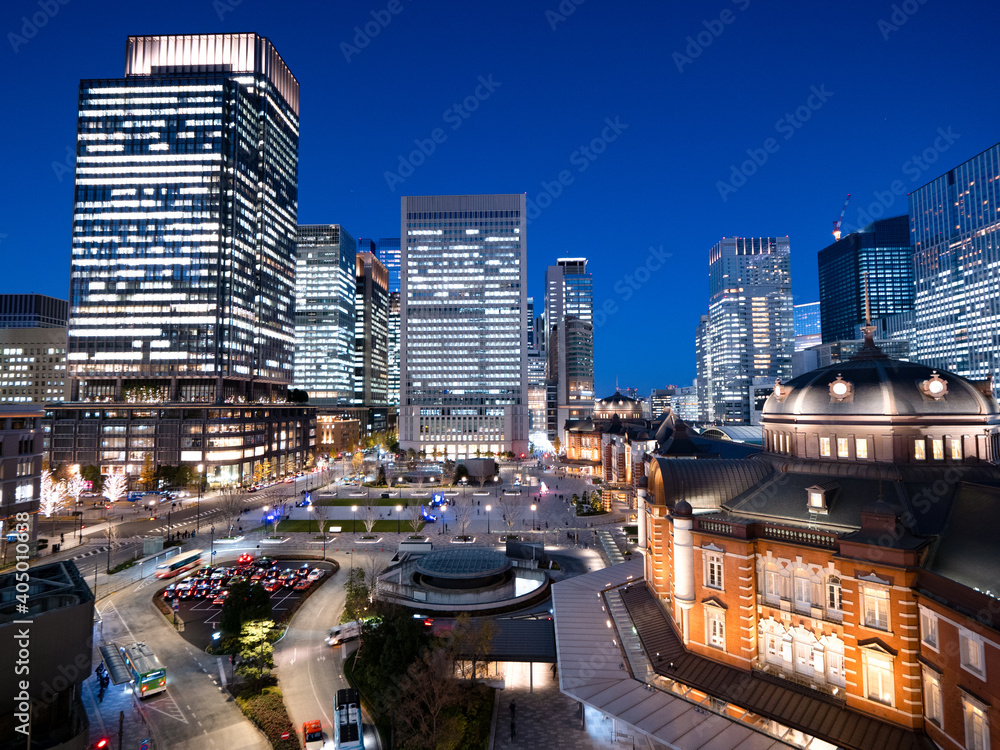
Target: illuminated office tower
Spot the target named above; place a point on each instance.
(183, 246)
(32, 349)
(569, 312)
(463, 325)
(371, 331)
(325, 313)
(750, 322)
(955, 228)
(386, 249)
(807, 325)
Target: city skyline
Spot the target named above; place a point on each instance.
(829, 121)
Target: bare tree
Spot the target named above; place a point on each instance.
(112, 535)
(463, 512)
(231, 503)
(432, 690)
(372, 563)
(369, 515)
(470, 643)
(323, 514)
(512, 509)
(114, 487)
(416, 517)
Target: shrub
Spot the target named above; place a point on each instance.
(267, 711)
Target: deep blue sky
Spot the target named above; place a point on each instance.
(655, 185)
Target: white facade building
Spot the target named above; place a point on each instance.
(463, 383)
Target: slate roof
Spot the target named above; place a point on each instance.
(969, 550)
(522, 640)
(708, 484)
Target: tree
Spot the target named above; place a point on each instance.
(424, 717)
(556, 445)
(112, 536)
(310, 460)
(52, 495)
(369, 515)
(511, 509)
(231, 503)
(256, 650)
(148, 474)
(416, 516)
(75, 487)
(258, 473)
(372, 563)
(380, 480)
(356, 601)
(268, 469)
(463, 512)
(470, 642)
(246, 601)
(115, 487)
(596, 502)
(461, 472)
(358, 462)
(93, 475)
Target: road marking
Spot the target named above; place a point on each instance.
(293, 656)
(170, 710)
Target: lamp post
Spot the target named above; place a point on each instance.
(399, 519)
(488, 509)
(211, 558)
(354, 510)
(534, 523)
(201, 468)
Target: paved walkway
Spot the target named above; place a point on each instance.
(547, 718)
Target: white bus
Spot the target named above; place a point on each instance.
(148, 674)
(348, 730)
(179, 564)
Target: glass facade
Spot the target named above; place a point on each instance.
(956, 237)
(750, 330)
(371, 332)
(463, 325)
(882, 252)
(569, 312)
(325, 313)
(32, 311)
(808, 325)
(387, 250)
(184, 221)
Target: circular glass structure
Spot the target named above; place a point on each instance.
(465, 568)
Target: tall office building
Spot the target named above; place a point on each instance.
(463, 325)
(807, 325)
(750, 325)
(325, 313)
(956, 238)
(569, 312)
(183, 250)
(371, 332)
(882, 252)
(32, 349)
(660, 400)
(386, 249)
(703, 381)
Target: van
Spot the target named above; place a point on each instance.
(345, 631)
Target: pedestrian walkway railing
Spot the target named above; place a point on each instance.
(609, 547)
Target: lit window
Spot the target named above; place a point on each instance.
(816, 499)
(933, 708)
(956, 449)
(919, 449)
(878, 678)
(803, 593)
(835, 666)
(824, 447)
(876, 607)
(937, 448)
(842, 451)
(971, 650)
(715, 627)
(834, 593)
(861, 447)
(713, 571)
(928, 628)
(977, 725)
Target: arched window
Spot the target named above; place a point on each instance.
(834, 594)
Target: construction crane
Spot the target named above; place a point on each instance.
(838, 222)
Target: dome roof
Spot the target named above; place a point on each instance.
(619, 398)
(871, 384)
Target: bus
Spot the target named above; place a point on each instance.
(148, 674)
(183, 562)
(348, 733)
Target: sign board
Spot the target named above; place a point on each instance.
(177, 604)
(144, 745)
(285, 735)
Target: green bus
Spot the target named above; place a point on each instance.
(148, 674)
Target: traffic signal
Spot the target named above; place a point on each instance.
(102, 743)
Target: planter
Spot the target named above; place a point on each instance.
(369, 540)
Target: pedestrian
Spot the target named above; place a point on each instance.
(513, 708)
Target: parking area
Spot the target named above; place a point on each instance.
(199, 612)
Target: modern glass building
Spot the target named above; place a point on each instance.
(386, 249)
(371, 332)
(463, 325)
(569, 310)
(808, 325)
(32, 311)
(183, 255)
(880, 252)
(955, 229)
(750, 322)
(325, 313)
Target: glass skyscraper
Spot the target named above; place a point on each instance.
(371, 332)
(569, 311)
(882, 252)
(955, 227)
(325, 313)
(808, 325)
(750, 324)
(386, 249)
(463, 336)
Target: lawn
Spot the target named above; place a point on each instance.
(357, 527)
(347, 502)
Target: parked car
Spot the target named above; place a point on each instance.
(315, 574)
(271, 585)
(302, 584)
(220, 597)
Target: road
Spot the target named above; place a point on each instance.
(309, 672)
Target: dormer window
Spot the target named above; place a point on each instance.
(935, 387)
(841, 390)
(819, 495)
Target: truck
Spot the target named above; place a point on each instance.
(345, 631)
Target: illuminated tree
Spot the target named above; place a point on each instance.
(115, 487)
(148, 475)
(52, 495)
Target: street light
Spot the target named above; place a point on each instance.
(488, 509)
(211, 559)
(534, 523)
(266, 518)
(201, 468)
(354, 510)
(399, 519)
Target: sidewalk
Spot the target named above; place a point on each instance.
(104, 715)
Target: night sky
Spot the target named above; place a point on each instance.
(624, 124)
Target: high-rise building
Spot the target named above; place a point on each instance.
(750, 326)
(183, 250)
(463, 325)
(531, 322)
(392, 387)
(325, 313)
(386, 249)
(536, 391)
(703, 382)
(956, 239)
(569, 312)
(880, 252)
(371, 332)
(808, 325)
(660, 400)
(32, 349)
